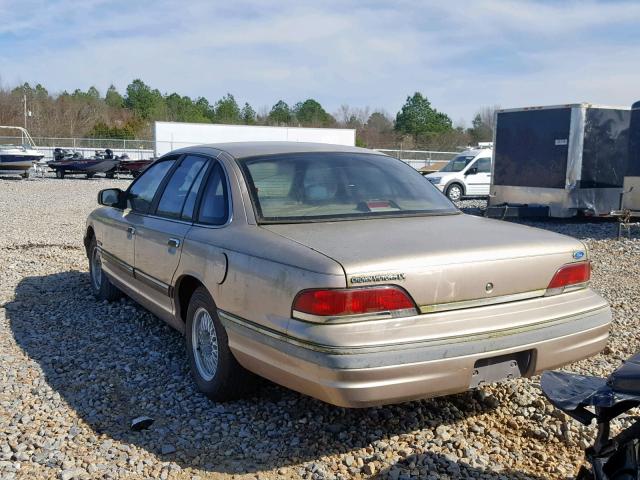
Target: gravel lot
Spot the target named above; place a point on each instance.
(75, 372)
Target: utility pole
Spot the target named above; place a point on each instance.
(24, 100)
(27, 113)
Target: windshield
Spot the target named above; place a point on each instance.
(317, 186)
(458, 163)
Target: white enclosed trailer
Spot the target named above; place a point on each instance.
(171, 135)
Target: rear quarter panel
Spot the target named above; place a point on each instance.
(255, 274)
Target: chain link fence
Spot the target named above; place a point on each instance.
(423, 160)
(135, 149)
(96, 143)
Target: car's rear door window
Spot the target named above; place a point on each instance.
(143, 190)
(214, 206)
(484, 165)
(188, 210)
(179, 186)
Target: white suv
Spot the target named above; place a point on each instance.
(467, 175)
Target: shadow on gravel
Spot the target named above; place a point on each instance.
(15, 177)
(114, 362)
(583, 228)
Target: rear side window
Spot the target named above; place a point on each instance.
(214, 208)
(484, 165)
(144, 189)
(190, 204)
(179, 186)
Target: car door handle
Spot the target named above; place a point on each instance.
(173, 242)
(131, 230)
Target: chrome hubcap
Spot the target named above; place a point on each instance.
(204, 343)
(96, 269)
(455, 193)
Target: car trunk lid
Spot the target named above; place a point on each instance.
(444, 262)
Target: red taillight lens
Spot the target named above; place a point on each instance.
(571, 274)
(352, 301)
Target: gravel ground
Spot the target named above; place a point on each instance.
(75, 372)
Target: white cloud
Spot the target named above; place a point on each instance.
(462, 55)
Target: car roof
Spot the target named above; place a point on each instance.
(477, 152)
(240, 150)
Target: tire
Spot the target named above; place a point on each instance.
(59, 173)
(135, 174)
(454, 192)
(221, 378)
(91, 175)
(101, 286)
(109, 175)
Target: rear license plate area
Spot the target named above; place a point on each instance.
(500, 368)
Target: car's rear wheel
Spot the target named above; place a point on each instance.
(454, 192)
(101, 286)
(215, 370)
(59, 173)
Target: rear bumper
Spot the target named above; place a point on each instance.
(366, 375)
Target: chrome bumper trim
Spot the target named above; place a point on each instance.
(481, 302)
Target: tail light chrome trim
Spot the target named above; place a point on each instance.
(339, 305)
(569, 278)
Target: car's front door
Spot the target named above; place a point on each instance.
(160, 232)
(117, 238)
(116, 244)
(478, 177)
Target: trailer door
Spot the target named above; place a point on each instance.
(606, 148)
(531, 148)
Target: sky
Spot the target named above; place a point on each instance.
(462, 55)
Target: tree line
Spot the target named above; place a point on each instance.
(130, 115)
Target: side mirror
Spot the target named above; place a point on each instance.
(110, 197)
(471, 171)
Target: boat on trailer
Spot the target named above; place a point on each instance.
(19, 159)
(67, 162)
(130, 167)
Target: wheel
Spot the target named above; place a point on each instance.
(109, 175)
(215, 370)
(59, 173)
(91, 175)
(135, 174)
(101, 286)
(454, 192)
(26, 174)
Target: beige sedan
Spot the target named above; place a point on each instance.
(338, 272)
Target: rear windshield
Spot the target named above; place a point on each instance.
(321, 186)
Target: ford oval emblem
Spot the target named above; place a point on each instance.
(578, 255)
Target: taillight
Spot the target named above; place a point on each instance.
(570, 275)
(345, 302)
